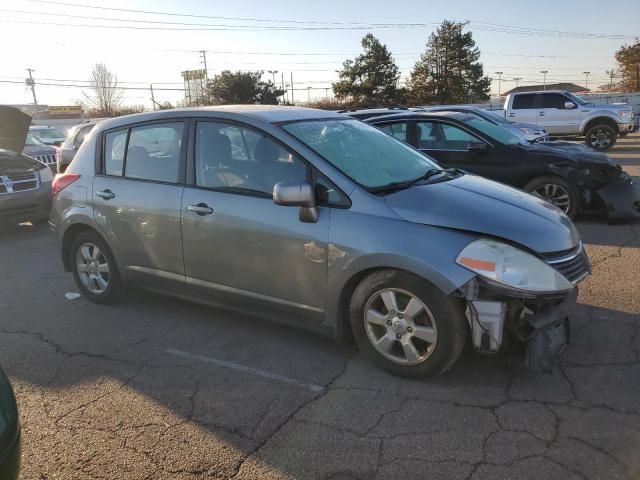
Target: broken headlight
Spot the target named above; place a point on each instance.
(511, 267)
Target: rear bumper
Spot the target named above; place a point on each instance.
(33, 205)
(621, 199)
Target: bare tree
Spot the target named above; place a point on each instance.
(106, 95)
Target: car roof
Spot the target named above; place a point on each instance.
(265, 113)
(459, 116)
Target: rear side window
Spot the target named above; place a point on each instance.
(153, 152)
(521, 102)
(114, 145)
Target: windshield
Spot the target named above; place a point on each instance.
(365, 154)
(47, 133)
(32, 140)
(576, 99)
(492, 130)
(493, 117)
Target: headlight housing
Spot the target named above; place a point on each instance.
(511, 267)
(626, 115)
(45, 175)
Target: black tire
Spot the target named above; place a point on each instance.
(114, 288)
(447, 313)
(601, 137)
(537, 184)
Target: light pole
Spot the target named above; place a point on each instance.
(326, 93)
(273, 75)
(544, 84)
(286, 92)
(517, 80)
(499, 82)
(586, 81)
(308, 94)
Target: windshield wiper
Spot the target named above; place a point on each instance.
(390, 187)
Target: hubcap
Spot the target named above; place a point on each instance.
(400, 327)
(555, 194)
(600, 138)
(93, 268)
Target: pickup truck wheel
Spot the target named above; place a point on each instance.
(406, 325)
(601, 137)
(556, 191)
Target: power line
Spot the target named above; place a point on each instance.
(118, 87)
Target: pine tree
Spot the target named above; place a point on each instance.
(449, 71)
(371, 79)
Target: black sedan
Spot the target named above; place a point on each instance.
(9, 432)
(570, 176)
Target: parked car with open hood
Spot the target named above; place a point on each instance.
(9, 431)
(563, 114)
(48, 135)
(527, 131)
(572, 177)
(25, 183)
(319, 220)
(35, 148)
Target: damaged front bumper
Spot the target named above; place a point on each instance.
(621, 199)
(542, 322)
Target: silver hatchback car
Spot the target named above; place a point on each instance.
(319, 220)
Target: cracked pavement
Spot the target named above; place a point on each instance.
(101, 396)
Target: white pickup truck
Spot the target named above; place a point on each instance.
(565, 115)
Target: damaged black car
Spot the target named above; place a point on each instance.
(572, 177)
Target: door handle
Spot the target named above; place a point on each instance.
(201, 209)
(106, 194)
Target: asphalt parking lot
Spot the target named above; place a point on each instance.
(155, 388)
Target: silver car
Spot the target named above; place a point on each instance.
(321, 221)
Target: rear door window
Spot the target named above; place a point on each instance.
(523, 102)
(153, 152)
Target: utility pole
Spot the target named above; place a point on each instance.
(32, 83)
(586, 81)
(544, 84)
(612, 74)
(292, 100)
(326, 93)
(517, 80)
(499, 82)
(203, 56)
(153, 100)
(308, 94)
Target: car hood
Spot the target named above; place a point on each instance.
(11, 162)
(32, 150)
(569, 150)
(479, 205)
(14, 126)
(613, 107)
(530, 126)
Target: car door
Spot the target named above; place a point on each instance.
(240, 248)
(523, 109)
(456, 147)
(137, 199)
(554, 116)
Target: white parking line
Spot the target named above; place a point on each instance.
(235, 366)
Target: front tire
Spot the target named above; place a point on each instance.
(94, 268)
(601, 137)
(556, 191)
(406, 325)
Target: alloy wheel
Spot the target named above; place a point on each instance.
(400, 326)
(600, 138)
(93, 268)
(554, 194)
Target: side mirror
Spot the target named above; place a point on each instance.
(478, 147)
(569, 105)
(297, 194)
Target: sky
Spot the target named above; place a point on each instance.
(61, 41)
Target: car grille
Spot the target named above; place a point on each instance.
(573, 264)
(49, 158)
(19, 182)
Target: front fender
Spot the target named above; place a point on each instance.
(604, 115)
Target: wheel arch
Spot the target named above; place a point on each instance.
(600, 120)
(67, 240)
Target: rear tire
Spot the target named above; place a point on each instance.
(94, 268)
(556, 191)
(421, 336)
(601, 137)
